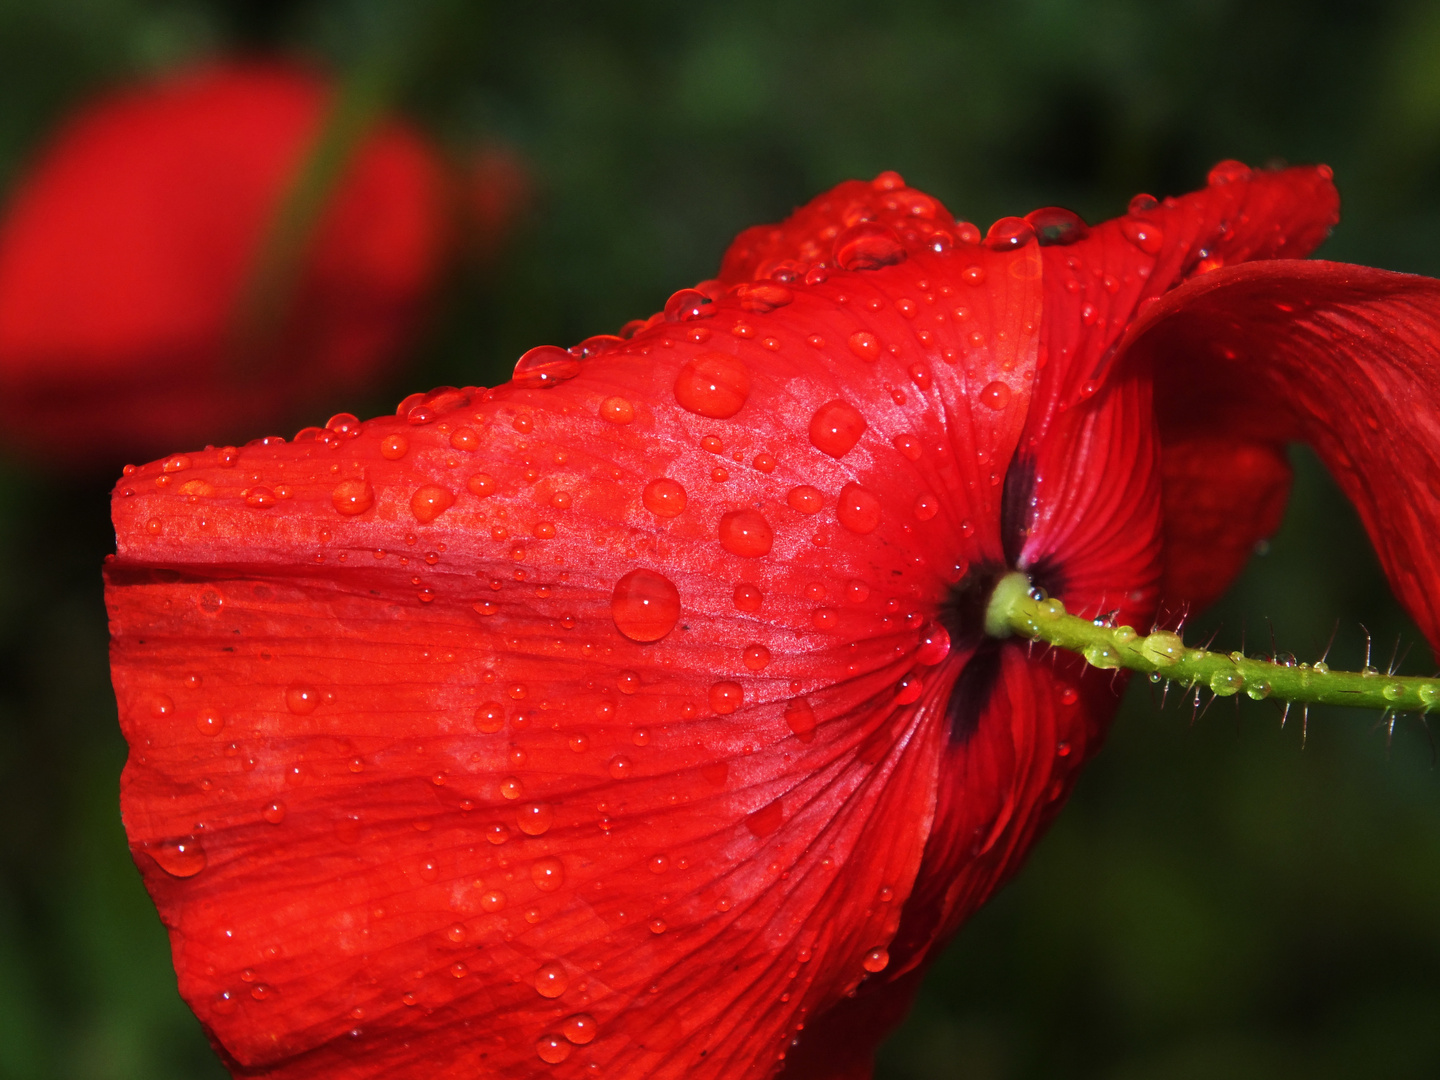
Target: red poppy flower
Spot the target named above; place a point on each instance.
(637, 716)
(129, 252)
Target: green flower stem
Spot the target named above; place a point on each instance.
(1017, 608)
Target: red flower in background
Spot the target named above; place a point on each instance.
(127, 252)
(637, 716)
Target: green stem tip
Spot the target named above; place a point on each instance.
(1018, 608)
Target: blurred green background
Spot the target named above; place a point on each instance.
(1217, 900)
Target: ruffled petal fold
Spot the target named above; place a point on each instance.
(1345, 358)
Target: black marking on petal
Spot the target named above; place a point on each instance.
(1016, 511)
(973, 689)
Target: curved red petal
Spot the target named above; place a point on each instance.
(1341, 356)
(125, 253)
(711, 817)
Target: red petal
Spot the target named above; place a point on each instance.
(125, 253)
(733, 814)
(1343, 357)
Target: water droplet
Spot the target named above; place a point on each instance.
(492, 900)
(726, 697)
(800, 718)
(301, 699)
(1102, 656)
(1145, 235)
(209, 722)
(580, 1029)
(714, 385)
(1228, 172)
(548, 873)
(352, 497)
(256, 498)
(934, 645)
(688, 305)
(1256, 689)
(511, 788)
(996, 395)
(858, 509)
(430, 501)
(1226, 683)
(835, 428)
(545, 366)
(552, 1049)
(551, 980)
(393, 447)
(617, 410)
(876, 960)
(182, 857)
(620, 767)
(746, 533)
(868, 246)
(645, 605)
(1162, 648)
(535, 818)
(926, 507)
(747, 597)
(761, 297)
(756, 657)
(664, 497)
(657, 926)
(490, 718)
(857, 592)
(864, 345)
(1009, 233)
(627, 682)
(908, 445)
(1055, 225)
(805, 499)
(1393, 692)
(274, 812)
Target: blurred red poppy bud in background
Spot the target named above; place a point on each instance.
(134, 257)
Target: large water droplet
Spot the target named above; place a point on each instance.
(762, 297)
(535, 818)
(645, 605)
(664, 497)
(996, 395)
(746, 533)
(756, 657)
(548, 873)
(1054, 225)
(545, 366)
(836, 427)
(726, 697)
(580, 1029)
(430, 501)
(551, 980)
(868, 246)
(747, 597)
(688, 305)
(864, 345)
(934, 644)
(876, 960)
(352, 497)
(858, 509)
(182, 857)
(552, 1049)
(805, 499)
(800, 718)
(1145, 235)
(1009, 233)
(1228, 172)
(301, 699)
(714, 385)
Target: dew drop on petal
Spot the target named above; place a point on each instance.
(864, 345)
(746, 533)
(1228, 172)
(1009, 233)
(535, 818)
(645, 605)
(756, 657)
(1056, 226)
(876, 960)
(547, 873)
(934, 644)
(617, 410)
(481, 485)
(545, 366)
(858, 509)
(996, 395)
(747, 597)
(800, 718)
(274, 812)
(868, 246)
(714, 385)
(580, 1029)
(430, 501)
(664, 497)
(490, 718)
(805, 499)
(926, 506)
(301, 699)
(352, 497)
(551, 980)
(552, 1049)
(393, 447)
(627, 682)
(209, 722)
(1145, 235)
(835, 428)
(620, 767)
(726, 697)
(857, 592)
(182, 857)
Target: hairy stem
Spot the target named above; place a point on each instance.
(1017, 608)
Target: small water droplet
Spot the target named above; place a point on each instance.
(430, 501)
(352, 497)
(761, 297)
(209, 722)
(580, 1029)
(934, 644)
(1145, 235)
(490, 717)
(756, 657)
(868, 246)
(864, 345)
(876, 960)
(617, 410)
(686, 305)
(1228, 172)
(800, 718)
(805, 499)
(547, 873)
(926, 506)
(747, 597)
(713, 384)
(664, 497)
(535, 818)
(301, 699)
(858, 509)
(552, 1049)
(836, 427)
(620, 767)
(1009, 233)
(746, 533)
(996, 395)
(182, 857)
(645, 605)
(274, 812)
